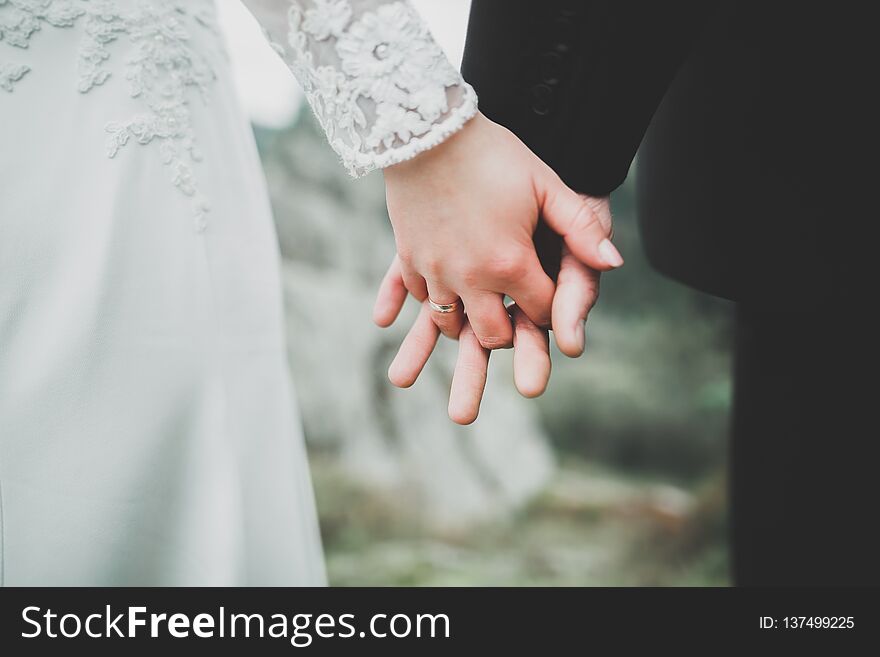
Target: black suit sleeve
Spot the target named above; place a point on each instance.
(578, 81)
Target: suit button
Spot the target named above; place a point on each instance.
(566, 33)
(551, 68)
(542, 99)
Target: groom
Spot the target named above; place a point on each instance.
(744, 115)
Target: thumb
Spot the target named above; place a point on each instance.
(569, 214)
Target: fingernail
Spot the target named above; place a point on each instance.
(610, 254)
(579, 334)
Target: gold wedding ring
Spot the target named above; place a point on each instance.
(443, 308)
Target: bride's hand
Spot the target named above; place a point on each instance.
(576, 293)
(464, 214)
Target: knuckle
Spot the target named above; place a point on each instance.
(446, 323)
(472, 274)
(433, 267)
(494, 341)
(585, 218)
(509, 266)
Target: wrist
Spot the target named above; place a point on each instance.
(449, 152)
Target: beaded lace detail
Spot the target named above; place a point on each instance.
(380, 86)
(162, 69)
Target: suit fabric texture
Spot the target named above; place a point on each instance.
(746, 117)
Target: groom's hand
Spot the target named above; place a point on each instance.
(464, 214)
(577, 287)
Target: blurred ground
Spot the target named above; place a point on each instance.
(591, 527)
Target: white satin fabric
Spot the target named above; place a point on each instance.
(148, 434)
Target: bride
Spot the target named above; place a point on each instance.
(147, 430)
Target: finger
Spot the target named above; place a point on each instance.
(415, 350)
(570, 215)
(577, 291)
(469, 378)
(449, 323)
(391, 296)
(533, 293)
(414, 282)
(489, 319)
(531, 355)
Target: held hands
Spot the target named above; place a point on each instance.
(464, 214)
(576, 292)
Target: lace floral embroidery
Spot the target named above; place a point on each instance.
(380, 86)
(161, 69)
(10, 74)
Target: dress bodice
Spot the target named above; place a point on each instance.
(158, 30)
(156, 46)
(380, 86)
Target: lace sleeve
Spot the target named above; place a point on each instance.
(380, 86)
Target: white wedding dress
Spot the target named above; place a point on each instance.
(148, 433)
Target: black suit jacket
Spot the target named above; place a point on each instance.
(744, 112)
